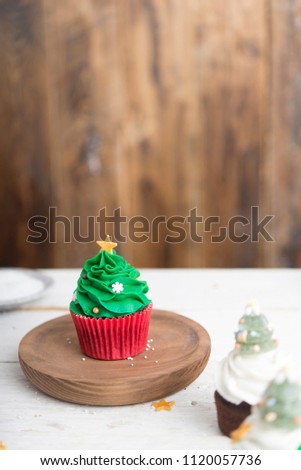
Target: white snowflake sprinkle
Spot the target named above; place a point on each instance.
(117, 287)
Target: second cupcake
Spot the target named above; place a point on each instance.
(242, 376)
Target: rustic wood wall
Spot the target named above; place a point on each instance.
(157, 107)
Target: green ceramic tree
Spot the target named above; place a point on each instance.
(281, 406)
(254, 334)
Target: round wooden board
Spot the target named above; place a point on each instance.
(51, 359)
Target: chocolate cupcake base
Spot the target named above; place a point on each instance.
(229, 415)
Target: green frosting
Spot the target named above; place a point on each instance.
(254, 334)
(281, 405)
(109, 286)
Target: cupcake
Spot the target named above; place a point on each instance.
(109, 308)
(275, 423)
(242, 376)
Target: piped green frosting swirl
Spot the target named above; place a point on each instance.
(109, 287)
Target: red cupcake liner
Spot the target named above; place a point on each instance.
(113, 338)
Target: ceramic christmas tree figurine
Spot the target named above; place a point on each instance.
(254, 335)
(275, 423)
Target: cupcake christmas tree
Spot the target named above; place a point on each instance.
(109, 308)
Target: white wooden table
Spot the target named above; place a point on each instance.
(213, 297)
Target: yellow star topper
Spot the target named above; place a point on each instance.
(163, 405)
(107, 245)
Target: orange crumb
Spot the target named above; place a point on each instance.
(240, 432)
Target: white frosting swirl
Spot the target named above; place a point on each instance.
(244, 377)
(264, 436)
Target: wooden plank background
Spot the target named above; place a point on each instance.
(156, 107)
